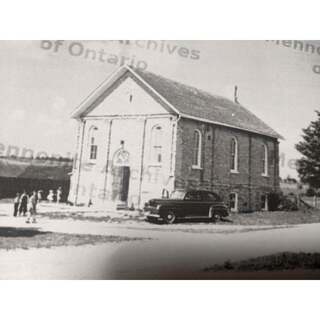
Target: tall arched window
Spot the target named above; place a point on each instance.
(234, 155)
(93, 147)
(156, 144)
(197, 143)
(265, 160)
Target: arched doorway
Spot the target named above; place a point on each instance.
(121, 177)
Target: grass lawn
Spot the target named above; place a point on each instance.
(279, 261)
(27, 238)
(80, 216)
(249, 219)
(275, 218)
(280, 266)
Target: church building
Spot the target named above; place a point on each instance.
(141, 136)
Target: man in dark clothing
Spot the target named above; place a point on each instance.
(23, 204)
(16, 204)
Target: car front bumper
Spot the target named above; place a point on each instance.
(153, 214)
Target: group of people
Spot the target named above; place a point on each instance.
(26, 206)
(55, 196)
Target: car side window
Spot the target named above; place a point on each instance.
(208, 196)
(193, 196)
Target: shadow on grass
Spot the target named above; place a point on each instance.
(27, 238)
(10, 232)
(193, 220)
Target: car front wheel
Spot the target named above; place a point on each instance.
(169, 217)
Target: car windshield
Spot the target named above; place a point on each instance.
(177, 195)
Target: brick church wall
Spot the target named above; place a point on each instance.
(215, 171)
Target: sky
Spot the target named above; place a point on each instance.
(41, 82)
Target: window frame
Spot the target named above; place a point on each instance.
(265, 161)
(265, 207)
(93, 146)
(206, 194)
(198, 149)
(234, 155)
(155, 146)
(196, 193)
(236, 202)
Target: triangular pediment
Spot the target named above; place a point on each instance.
(124, 92)
(126, 97)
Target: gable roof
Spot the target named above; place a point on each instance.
(188, 102)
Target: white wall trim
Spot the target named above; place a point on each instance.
(140, 116)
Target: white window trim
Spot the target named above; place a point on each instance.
(199, 155)
(151, 162)
(236, 169)
(92, 161)
(266, 204)
(265, 172)
(235, 201)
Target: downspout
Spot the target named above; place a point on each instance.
(276, 166)
(250, 172)
(142, 161)
(108, 161)
(174, 155)
(80, 160)
(212, 156)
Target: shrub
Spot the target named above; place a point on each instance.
(274, 200)
(310, 192)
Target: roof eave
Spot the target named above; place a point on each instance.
(91, 98)
(275, 136)
(87, 102)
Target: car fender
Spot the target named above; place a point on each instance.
(221, 209)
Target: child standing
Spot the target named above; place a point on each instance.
(50, 197)
(59, 195)
(16, 202)
(39, 195)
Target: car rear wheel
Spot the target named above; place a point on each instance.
(214, 216)
(169, 217)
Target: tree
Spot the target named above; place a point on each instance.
(309, 165)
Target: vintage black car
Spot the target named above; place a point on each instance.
(198, 204)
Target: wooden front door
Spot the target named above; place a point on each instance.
(120, 185)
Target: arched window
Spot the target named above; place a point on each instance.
(93, 147)
(264, 160)
(197, 142)
(156, 144)
(234, 155)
